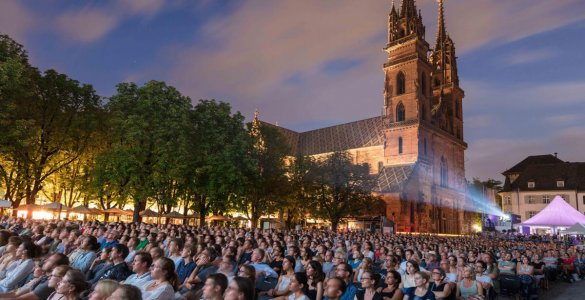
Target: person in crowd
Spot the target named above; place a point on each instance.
(141, 268)
(369, 282)
(126, 292)
(9, 253)
(282, 286)
(392, 291)
(344, 271)
(104, 289)
(328, 261)
(408, 278)
(338, 258)
(266, 277)
(336, 288)
(71, 286)
(316, 280)
(4, 236)
(131, 244)
(431, 261)
(356, 260)
(276, 258)
(366, 265)
(420, 290)
(469, 287)
(56, 276)
(204, 268)
(186, 264)
(507, 266)
(110, 241)
(240, 289)
(538, 268)
(175, 247)
(482, 276)
(164, 281)
(85, 254)
(99, 265)
(215, 286)
(119, 269)
(21, 267)
(439, 286)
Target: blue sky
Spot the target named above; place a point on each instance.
(308, 64)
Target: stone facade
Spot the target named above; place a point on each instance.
(416, 147)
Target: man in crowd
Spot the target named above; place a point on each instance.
(214, 287)
(141, 268)
(344, 271)
(119, 270)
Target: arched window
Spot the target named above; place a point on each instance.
(400, 145)
(437, 81)
(400, 112)
(400, 84)
(425, 146)
(423, 83)
(444, 172)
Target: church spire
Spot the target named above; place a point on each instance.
(441, 32)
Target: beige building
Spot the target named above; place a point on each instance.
(532, 184)
(416, 148)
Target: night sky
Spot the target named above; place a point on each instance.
(310, 64)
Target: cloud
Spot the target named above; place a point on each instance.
(564, 119)
(479, 121)
(90, 24)
(87, 25)
(491, 156)
(15, 20)
(526, 57)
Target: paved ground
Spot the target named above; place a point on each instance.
(560, 291)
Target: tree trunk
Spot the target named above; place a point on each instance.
(202, 211)
(139, 205)
(334, 225)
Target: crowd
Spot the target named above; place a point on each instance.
(66, 260)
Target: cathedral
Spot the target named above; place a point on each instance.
(416, 148)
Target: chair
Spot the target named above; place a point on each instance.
(510, 285)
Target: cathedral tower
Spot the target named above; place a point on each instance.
(423, 108)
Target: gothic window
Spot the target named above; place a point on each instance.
(400, 145)
(425, 146)
(423, 112)
(400, 112)
(400, 84)
(423, 83)
(437, 81)
(444, 173)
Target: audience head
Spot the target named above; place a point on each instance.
(335, 288)
(72, 284)
(104, 289)
(164, 270)
(126, 292)
(240, 289)
(215, 286)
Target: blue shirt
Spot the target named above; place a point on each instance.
(83, 260)
(184, 270)
(107, 244)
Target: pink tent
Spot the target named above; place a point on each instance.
(558, 213)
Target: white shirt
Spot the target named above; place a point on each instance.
(164, 292)
(138, 281)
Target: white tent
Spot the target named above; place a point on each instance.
(578, 228)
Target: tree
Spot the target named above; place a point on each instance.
(217, 157)
(148, 128)
(342, 189)
(267, 183)
(47, 124)
(302, 175)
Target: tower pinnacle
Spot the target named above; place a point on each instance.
(441, 32)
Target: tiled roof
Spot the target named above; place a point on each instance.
(533, 160)
(392, 178)
(358, 134)
(545, 177)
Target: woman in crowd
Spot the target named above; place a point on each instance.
(287, 274)
(468, 287)
(247, 271)
(72, 285)
(366, 265)
(164, 281)
(306, 257)
(298, 288)
(367, 248)
(126, 292)
(421, 289)
(240, 289)
(56, 276)
(408, 277)
(104, 289)
(439, 286)
(21, 267)
(392, 290)
(369, 283)
(356, 260)
(315, 281)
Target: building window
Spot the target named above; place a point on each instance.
(423, 83)
(545, 199)
(400, 112)
(508, 200)
(560, 183)
(400, 145)
(444, 173)
(400, 84)
(530, 199)
(425, 149)
(530, 214)
(583, 199)
(531, 184)
(380, 166)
